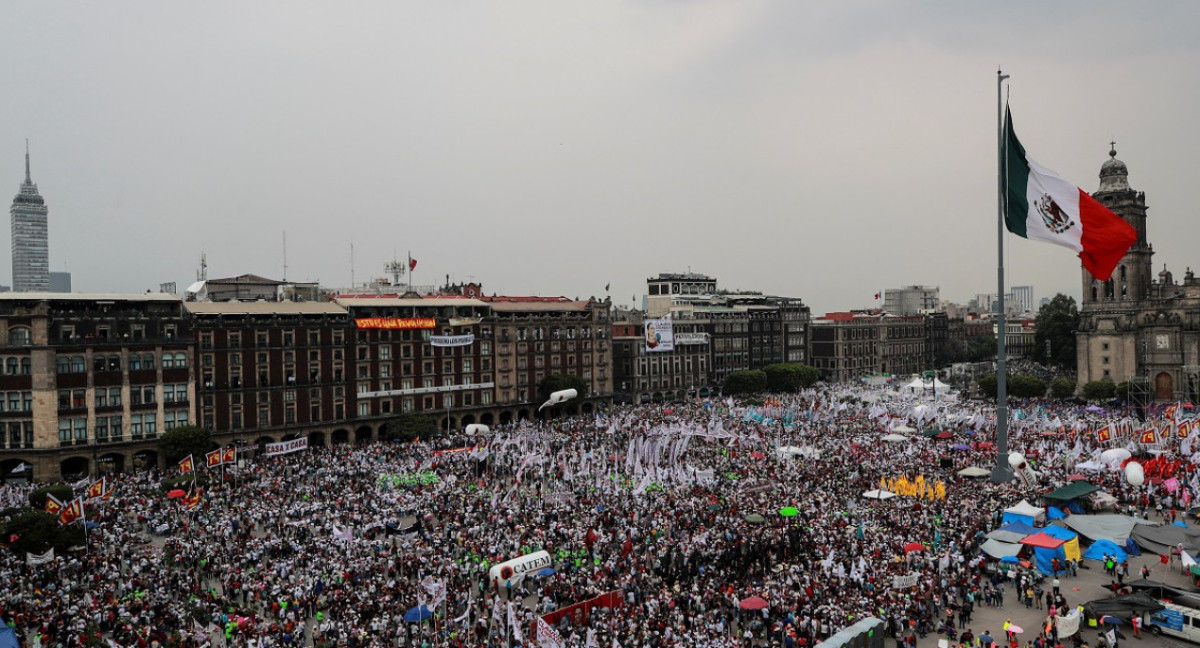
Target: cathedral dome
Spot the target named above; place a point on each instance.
(1114, 176)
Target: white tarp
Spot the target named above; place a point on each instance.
(879, 494)
(1026, 509)
(998, 549)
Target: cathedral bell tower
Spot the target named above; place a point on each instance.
(1132, 277)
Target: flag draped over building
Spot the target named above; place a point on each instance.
(1043, 206)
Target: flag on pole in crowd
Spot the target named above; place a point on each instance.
(96, 489)
(213, 459)
(1148, 437)
(109, 493)
(193, 499)
(52, 506)
(1043, 206)
(71, 512)
(547, 636)
(513, 624)
(185, 465)
(230, 455)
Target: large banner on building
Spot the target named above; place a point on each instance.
(286, 447)
(452, 340)
(395, 322)
(659, 336)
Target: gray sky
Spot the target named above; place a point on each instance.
(824, 150)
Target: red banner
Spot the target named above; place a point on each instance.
(396, 322)
(579, 613)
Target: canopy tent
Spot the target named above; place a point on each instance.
(998, 549)
(1123, 606)
(1007, 536)
(879, 494)
(1102, 548)
(919, 385)
(1102, 527)
(1160, 539)
(1074, 490)
(1025, 512)
(1089, 466)
(974, 471)
(893, 438)
(1071, 540)
(1045, 549)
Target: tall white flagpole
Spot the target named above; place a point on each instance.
(1002, 472)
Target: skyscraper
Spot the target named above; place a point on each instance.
(30, 238)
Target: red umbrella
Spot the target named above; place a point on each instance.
(945, 435)
(1076, 477)
(756, 455)
(176, 493)
(753, 603)
(914, 546)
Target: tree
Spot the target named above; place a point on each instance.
(981, 348)
(1057, 322)
(1101, 390)
(745, 382)
(559, 382)
(61, 492)
(409, 426)
(1026, 387)
(789, 377)
(1062, 388)
(1017, 387)
(177, 443)
(36, 531)
(952, 351)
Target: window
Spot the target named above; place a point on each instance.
(168, 361)
(63, 365)
(148, 361)
(385, 352)
(20, 336)
(364, 409)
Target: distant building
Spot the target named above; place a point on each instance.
(1022, 295)
(911, 300)
(251, 287)
(30, 238)
(60, 282)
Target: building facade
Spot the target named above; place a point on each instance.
(911, 300)
(1139, 325)
(30, 238)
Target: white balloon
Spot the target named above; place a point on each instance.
(1134, 473)
(477, 428)
(1016, 459)
(559, 397)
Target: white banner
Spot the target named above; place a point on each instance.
(286, 447)
(691, 338)
(451, 340)
(659, 335)
(39, 559)
(905, 582)
(436, 590)
(1069, 624)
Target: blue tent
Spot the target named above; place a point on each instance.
(1019, 527)
(1131, 547)
(1102, 548)
(1181, 523)
(8, 637)
(1055, 513)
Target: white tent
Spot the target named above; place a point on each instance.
(895, 438)
(919, 385)
(879, 494)
(1027, 511)
(974, 471)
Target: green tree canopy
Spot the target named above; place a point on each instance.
(746, 382)
(559, 382)
(185, 440)
(1062, 388)
(1057, 322)
(61, 492)
(409, 426)
(1101, 390)
(981, 348)
(789, 377)
(36, 531)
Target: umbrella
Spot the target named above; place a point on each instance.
(176, 493)
(755, 518)
(549, 571)
(879, 494)
(753, 603)
(961, 446)
(972, 431)
(944, 435)
(1015, 629)
(789, 511)
(1076, 477)
(914, 546)
(892, 438)
(930, 432)
(1010, 559)
(974, 471)
(418, 614)
(1111, 620)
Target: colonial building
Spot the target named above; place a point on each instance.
(1139, 325)
(848, 346)
(90, 381)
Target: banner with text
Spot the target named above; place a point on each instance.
(659, 336)
(286, 447)
(451, 340)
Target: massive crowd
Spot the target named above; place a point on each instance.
(675, 508)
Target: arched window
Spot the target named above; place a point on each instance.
(77, 364)
(26, 366)
(10, 366)
(63, 364)
(20, 336)
(181, 360)
(148, 361)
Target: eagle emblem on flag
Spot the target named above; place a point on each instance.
(1053, 216)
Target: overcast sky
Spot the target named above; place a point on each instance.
(823, 150)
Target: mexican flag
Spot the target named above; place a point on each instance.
(1042, 206)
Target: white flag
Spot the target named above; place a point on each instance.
(548, 637)
(39, 559)
(514, 624)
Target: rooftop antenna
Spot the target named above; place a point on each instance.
(352, 265)
(202, 273)
(28, 178)
(285, 255)
(396, 269)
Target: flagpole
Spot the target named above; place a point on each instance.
(1002, 473)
